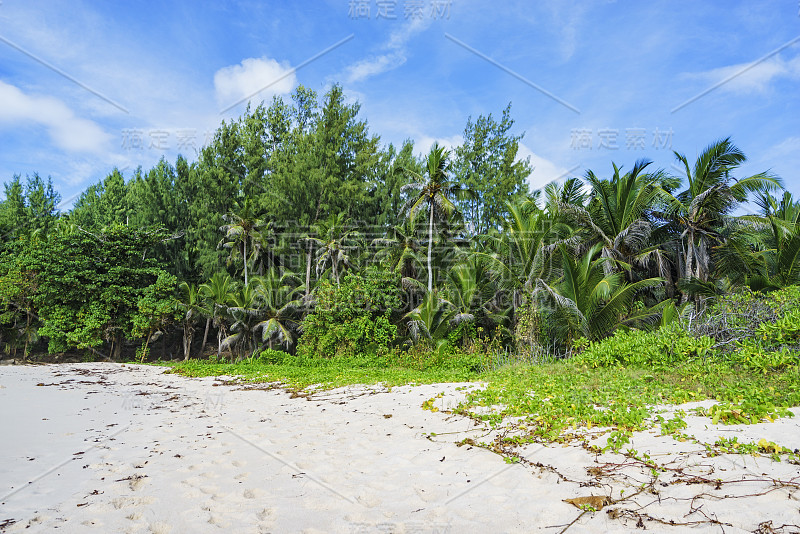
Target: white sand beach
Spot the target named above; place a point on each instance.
(105, 447)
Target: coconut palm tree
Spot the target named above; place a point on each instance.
(433, 192)
(471, 290)
(191, 304)
(618, 216)
(399, 250)
(764, 253)
(570, 193)
(521, 253)
(217, 292)
(244, 309)
(277, 303)
(242, 235)
(333, 244)
(430, 321)
(699, 212)
(308, 242)
(591, 301)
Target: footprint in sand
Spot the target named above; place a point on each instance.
(159, 528)
(237, 463)
(241, 476)
(368, 499)
(209, 490)
(253, 493)
(217, 520)
(136, 482)
(124, 502)
(36, 520)
(266, 515)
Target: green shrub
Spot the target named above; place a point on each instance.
(354, 318)
(664, 347)
(737, 315)
(444, 356)
(785, 330)
(270, 356)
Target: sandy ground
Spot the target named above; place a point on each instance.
(126, 448)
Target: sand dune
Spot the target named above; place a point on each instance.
(126, 448)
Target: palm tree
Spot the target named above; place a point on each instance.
(191, 304)
(308, 241)
(244, 310)
(588, 301)
(242, 233)
(470, 291)
(618, 216)
(217, 292)
(700, 210)
(332, 244)
(765, 252)
(520, 253)
(430, 321)
(570, 193)
(433, 192)
(399, 250)
(277, 303)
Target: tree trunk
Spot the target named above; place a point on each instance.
(335, 271)
(220, 334)
(308, 271)
(117, 350)
(27, 333)
(146, 344)
(188, 334)
(689, 254)
(245, 259)
(689, 260)
(702, 260)
(205, 336)
(430, 249)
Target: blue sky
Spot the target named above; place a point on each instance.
(87, 86)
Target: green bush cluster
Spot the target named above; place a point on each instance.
(353, 318)
(755, 331)
(786, 330)
(664, 347)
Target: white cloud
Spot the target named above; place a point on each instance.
(544, 170)
(788, 147)
(254, 78)
(423, 144)
(67, 131)
(393, 58)
(749, 77)
(376, 65)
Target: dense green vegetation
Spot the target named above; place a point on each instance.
(297, 231)
(741, 353)
(298, 250)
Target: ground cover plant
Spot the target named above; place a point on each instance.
(619, 384)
